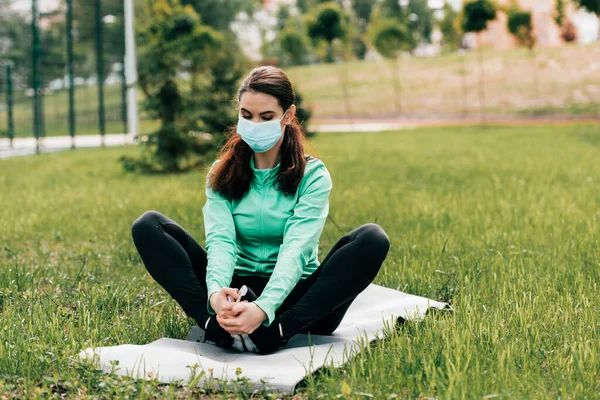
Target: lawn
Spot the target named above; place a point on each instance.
(501, 222)
(554, 81)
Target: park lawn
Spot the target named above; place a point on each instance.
(502, 222)
(561, 82)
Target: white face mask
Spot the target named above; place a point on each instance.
(260, 136)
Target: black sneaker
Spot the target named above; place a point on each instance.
(268, 339)
(242, 343)
(216, 334)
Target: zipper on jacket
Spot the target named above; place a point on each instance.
(262, 224)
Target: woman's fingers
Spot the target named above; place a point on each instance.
(230, 292)
(239, 308)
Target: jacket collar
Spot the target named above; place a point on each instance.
(264, 175)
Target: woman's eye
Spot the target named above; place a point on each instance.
(246, 116)
(267, 118)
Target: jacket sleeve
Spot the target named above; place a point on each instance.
(220, 241)
(300, 237)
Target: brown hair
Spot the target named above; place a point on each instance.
(231, 177)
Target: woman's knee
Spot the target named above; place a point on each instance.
(375, 237)
(147, 220)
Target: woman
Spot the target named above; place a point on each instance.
(266, 206)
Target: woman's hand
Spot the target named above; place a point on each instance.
(243, 318)
(219, 302)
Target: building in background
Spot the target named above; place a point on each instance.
(547, 32)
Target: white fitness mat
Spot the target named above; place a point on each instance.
(172, 360)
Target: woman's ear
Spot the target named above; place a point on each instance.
(291, 114)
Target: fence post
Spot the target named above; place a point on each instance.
(35, 74)
(9, 105)
(70, 69)
(100, 70)
(124, 99)
(130, 70)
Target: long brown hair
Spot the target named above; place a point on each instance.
(232, 175)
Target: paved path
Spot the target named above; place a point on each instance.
(27, 146)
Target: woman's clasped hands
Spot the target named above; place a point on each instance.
(236, 317)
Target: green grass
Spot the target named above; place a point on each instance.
(501, 222)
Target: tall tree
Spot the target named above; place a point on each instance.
(328, 23)
(450, 34)
(171, 43)
(519, 25)
(390, 38)
(420, 21)
(362, 10)
(474, 18)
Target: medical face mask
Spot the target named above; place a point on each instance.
(260, 136)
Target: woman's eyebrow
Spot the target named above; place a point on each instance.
(262, 113)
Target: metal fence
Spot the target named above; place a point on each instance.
(64, 75)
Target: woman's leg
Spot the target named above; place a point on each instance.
(319, 303)
(175, 260)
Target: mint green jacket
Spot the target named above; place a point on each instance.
(267, 233)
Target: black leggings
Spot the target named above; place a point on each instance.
(317, 304)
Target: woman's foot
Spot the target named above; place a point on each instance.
(216, 334)
(268, 339)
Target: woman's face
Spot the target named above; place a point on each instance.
(262, 107)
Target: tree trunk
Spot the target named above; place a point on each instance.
(397, 87)
(536, 81)
(344, 81)
(481, 80)
(463, 80)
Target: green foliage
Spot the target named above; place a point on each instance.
(389, 38)
(559, 15)
(476, 14)
(448, 27)
(362, 10)
(392, 9)
(173, 42)
(328, 23)
(421, 27)
(519, 25)
(359, 46)
(303, 114)
(592, 6)
(215, 98)
(293, 45)
(219, 14)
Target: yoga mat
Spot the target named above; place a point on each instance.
(180, 361)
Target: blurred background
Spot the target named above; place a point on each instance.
(350, 60)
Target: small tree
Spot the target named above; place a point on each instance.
(172, 42)
(559, 16)
(451, 36)
(520, 26)
(330, 23)
(293, 46)
(389, 39)
(475, 17)
(327, 24)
